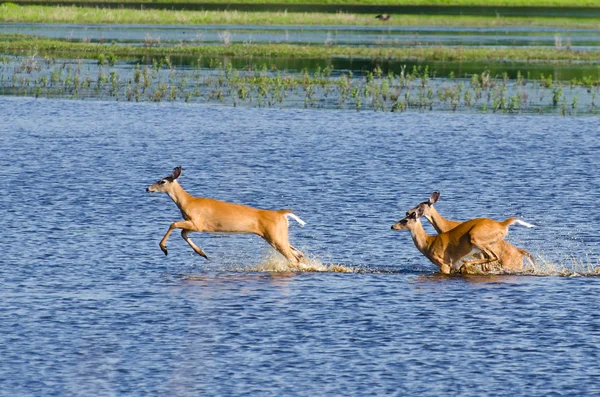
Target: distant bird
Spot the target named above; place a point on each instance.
(384, 17)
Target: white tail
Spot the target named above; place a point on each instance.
(296, 218)
(523, 223)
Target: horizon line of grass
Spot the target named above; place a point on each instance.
(12, 44)
(91, 15)
(416, 3)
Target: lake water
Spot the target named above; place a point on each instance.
(91, 306)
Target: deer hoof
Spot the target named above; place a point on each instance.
(164, 249)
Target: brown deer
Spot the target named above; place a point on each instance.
(510, 257)
(213, 216)
(450, 249)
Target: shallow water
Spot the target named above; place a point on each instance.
(91, 306)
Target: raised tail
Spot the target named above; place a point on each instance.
(290, 214)
(510, 221)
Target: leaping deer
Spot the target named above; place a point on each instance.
(448, 250)
(214, 216)
(510, 257)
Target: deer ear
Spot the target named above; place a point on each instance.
(176, 172)
(419, 212)
(435, 196)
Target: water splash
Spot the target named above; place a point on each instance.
(275, 263)
(569, 267)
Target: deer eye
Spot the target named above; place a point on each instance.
(162, 182)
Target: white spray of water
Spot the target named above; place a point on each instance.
(275, 263)
(569, 267)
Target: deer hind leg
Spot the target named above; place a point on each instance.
(489, 247)
(277, 234)
(278, 239)
(527, 255)
(184, 234)
(297, 253)
(285, 249)
(288, 254)
(487, 259)
(510, 256)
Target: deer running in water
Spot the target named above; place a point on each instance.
(214, 216)
(510, 257)
(448, 250)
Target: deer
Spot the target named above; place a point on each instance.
(449, 250)
(510, 257)
(202, 214)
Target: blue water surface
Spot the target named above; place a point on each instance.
(91, 306)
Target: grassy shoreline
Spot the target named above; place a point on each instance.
(437, 3)
(89, 15)
(24, 44)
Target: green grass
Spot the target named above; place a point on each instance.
(18, 44)
(479, 3)
(72, 14)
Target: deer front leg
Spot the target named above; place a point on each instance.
(174, 225)
(442, 263)
(445, 268)
(184, 234)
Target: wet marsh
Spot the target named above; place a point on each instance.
(262, 85)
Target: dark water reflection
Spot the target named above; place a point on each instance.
(380, 36)
(358, 66)
(90, 306)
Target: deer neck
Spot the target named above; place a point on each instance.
(421, 239)
(440, 224)
(179, 195)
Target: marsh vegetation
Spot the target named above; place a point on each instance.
(214, 80)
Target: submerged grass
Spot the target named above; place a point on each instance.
(16, 44)
(89, 15)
